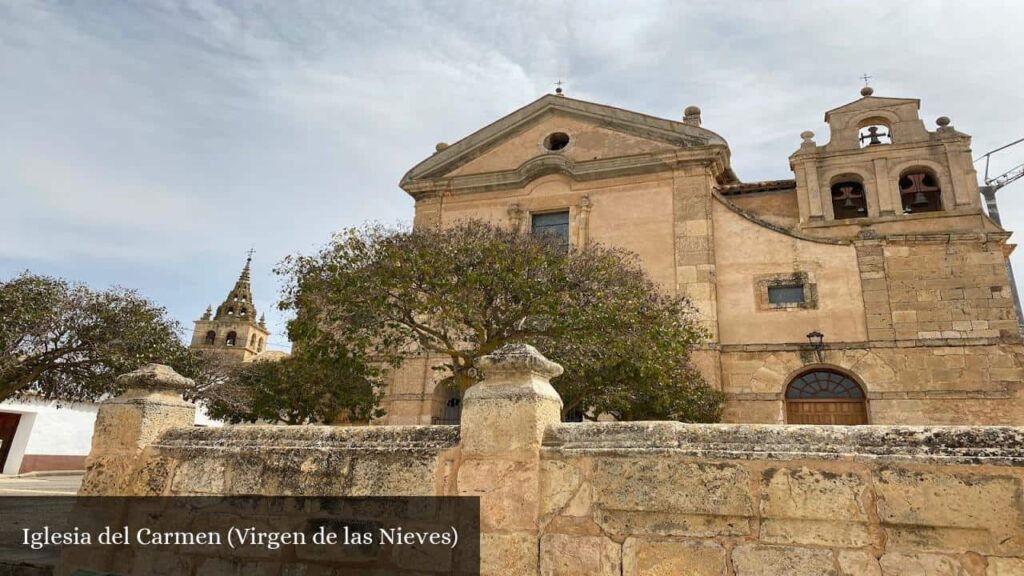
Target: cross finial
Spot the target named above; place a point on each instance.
(865, 78)
(251, 252)
(558, 86)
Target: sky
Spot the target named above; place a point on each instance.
(151, 144)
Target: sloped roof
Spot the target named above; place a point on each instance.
(635, 123)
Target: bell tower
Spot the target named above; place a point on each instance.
(883, 169)
(233, 331)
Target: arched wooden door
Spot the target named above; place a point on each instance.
(825, 397)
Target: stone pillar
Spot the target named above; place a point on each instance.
(503, 422)
(127, 424)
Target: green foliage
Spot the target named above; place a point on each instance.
(69, 342)
(461, 292)
(299, 389)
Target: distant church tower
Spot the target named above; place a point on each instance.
(233, 332)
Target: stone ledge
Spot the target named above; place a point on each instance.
(990, 445)
(363, 438)
(915, 343)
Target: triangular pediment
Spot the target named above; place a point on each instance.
(872, 103)
(597, 132)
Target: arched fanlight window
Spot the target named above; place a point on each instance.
(920, 191)
(821, 385)
(231, 339)
(825, 397)
(211, 337)
(849, 200)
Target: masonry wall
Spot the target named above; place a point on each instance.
(662, 498)
(666, 498)
(621, 498)
(912, 382)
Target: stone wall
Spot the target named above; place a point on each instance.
(955, 381)
(622, 498)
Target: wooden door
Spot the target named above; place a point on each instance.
(8, 426)
(831, 411)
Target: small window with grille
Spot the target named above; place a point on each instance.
(786, 291)
(780, 295)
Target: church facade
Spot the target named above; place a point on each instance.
(869, 288)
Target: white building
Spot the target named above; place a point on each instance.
(38, 435)
(41, 436)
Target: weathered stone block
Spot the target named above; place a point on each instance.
(561, 485)
(857, 563)
(506, 554)
(1005, 567)
(761, 560)
(507, 492)
(659, 495)
(198, 476)
(641, 557)
(896, 564)
(814, 507)
(925, 511)
(568, 555)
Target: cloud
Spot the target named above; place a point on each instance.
(150, 144)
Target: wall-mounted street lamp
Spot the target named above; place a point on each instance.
(817, 341)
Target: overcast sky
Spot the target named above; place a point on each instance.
(150, 144)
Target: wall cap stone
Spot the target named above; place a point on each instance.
(397, 439)
(991, 445)
(155, 377)
(516, 359)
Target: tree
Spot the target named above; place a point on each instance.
(298, 389)
(66, 341)
(463, 291)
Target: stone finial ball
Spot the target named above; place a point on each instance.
(867, 91)
(807, 135)
(440, 146)
(942, 121)
(691, 111)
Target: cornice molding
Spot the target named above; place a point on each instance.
(673, 133)
(715, 157)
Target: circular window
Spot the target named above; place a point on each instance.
(556, 141)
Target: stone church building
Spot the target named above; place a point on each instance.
(869, 288)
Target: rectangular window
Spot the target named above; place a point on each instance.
(554, 224)
(786, 294)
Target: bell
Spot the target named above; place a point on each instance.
(873, 136)
(848, 203)
(919, 199)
